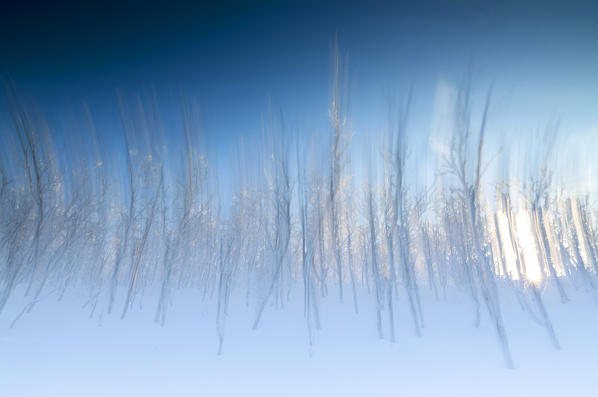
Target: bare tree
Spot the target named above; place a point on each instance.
(469, 187)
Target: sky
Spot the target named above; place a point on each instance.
(234, 60)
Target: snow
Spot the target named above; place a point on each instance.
(58, 350)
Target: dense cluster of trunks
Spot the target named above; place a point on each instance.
(298, 220)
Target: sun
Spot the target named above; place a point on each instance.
(527, 244)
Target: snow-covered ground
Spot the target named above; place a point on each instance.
(57, 350)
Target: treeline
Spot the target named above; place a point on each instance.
(298, 220)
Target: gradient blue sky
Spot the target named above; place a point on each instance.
(234, 57)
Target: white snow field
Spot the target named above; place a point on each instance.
(58, 350)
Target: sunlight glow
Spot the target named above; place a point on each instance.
(509, 254)
(527, 244)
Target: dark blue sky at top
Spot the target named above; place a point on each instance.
(233, 57)
(230, 52)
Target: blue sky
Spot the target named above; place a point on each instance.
(234, 58)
